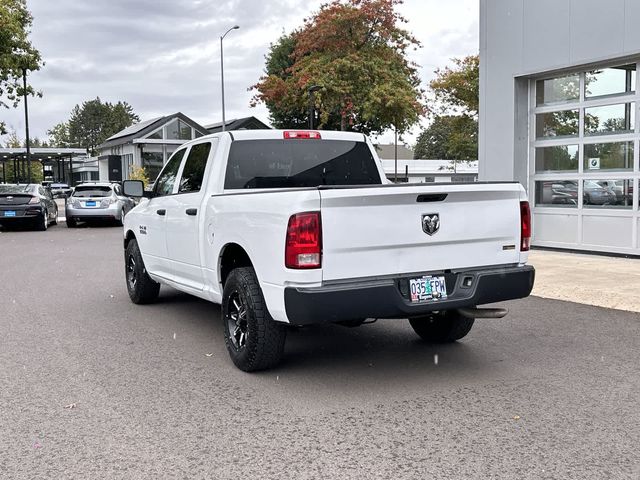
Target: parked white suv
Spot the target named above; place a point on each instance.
(301, 227)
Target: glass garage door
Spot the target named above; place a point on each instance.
(584, 160)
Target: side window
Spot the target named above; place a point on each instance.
(193, 172)
(167, 178)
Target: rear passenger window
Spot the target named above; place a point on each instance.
(193, 172)
(167, 178)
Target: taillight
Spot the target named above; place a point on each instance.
(302, 134)
(34, 200)
(303, 248)
(525, 226)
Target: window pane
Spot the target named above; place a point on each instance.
(557, 193)
(557, 124)
(156, 135)
(557, 159)
(152, 163)
(557, 90)
(193, 173)
(609, 119)
(608, 156)
(607, 194)
(300, 163)
(610, 81)
(166, 180)
(178, 130)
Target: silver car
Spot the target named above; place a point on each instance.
(97, 201)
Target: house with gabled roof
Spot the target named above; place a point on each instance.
(148, 144)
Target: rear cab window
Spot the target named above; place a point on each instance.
(290, 163)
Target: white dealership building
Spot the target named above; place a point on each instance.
(559, 99)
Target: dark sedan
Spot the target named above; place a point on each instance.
(30, 204)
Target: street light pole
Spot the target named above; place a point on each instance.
(312, 90)
(26, 123)
(235, 27)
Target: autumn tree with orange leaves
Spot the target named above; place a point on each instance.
(356, 50)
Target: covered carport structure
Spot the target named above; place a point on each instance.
(56, 163)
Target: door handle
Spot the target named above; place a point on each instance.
(161, 211)
(191, 211)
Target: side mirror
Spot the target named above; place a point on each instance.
(133, 188)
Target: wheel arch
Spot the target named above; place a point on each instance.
(128, 237)
(232, 255)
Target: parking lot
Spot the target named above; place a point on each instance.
(92, 386)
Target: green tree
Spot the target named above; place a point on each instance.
(356, 51)
(449, 137)
(16, 53)
(458, 88)
(453, 133)
(59, 135)
(93, 122)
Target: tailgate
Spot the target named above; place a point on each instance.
(378, 231)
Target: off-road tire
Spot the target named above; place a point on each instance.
(264, 338)
(139, 285)
(442, 327)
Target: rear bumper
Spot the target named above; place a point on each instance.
(111, 212)
(389, 298)
(20, 213)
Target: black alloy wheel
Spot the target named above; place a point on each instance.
(237, 320)
(254, 340)
(141, 288)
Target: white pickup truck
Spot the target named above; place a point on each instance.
(302, 227)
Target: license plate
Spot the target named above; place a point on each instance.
(90, 204)
(9, 213)
(427, 288)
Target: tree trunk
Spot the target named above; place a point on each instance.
(343, 123)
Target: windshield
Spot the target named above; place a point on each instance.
(92, 191)
(17, 188)
(299, 163)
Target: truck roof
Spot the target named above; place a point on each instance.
(279, 134)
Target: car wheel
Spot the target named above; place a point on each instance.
(71, 223)
(43, 223)
(55, 218)
(253, 339)
(142, 289)
(442, 327)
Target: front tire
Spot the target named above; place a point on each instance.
(139, 285)
(253, 339)
(442, 327)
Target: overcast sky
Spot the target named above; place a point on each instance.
(164, 56)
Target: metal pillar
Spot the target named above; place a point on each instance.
(26, 124)
(235, 27)
(71, 171)
(395, 156)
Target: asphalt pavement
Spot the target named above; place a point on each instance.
(92, 386)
